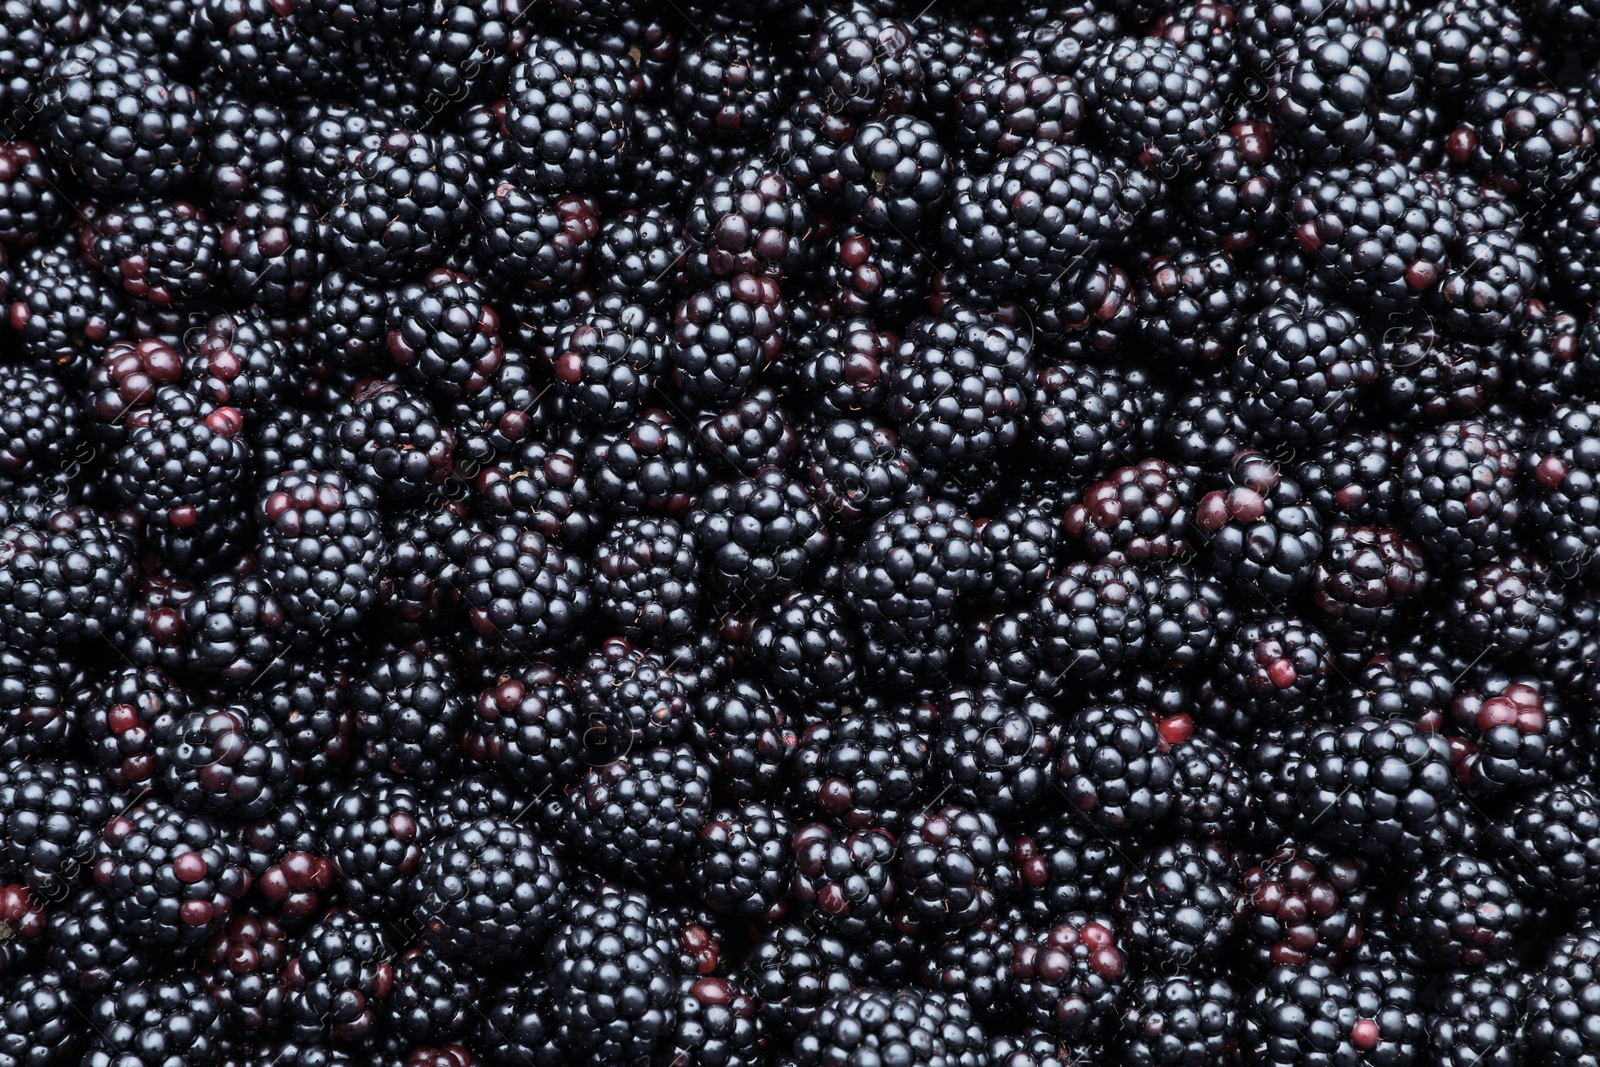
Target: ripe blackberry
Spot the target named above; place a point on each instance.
(271, 249)
(743, 863)
(568, 113)
(1188, 616)
(1002, 108)
(994, 752)
(392, 441)
(640, 814)
(759, 534)
(160, 253)
(728, 85)
(1352, 477)
(1192, 305)
(402, 204)
(1554, 1026)
(243, 972)
(39, 426)
(1182, 1020)
(88, 949)
(1140, 512)
(1239, 187)
(375, 835)
(651, 464)
(804, 646)
(607, 362)
(1366, 579)
(30, 206)
(906, 1026)
(534, 241)
(236, 361)
(845, 879)
(955, 866)
(458, 51)
(746, 737)
(857, 469)
(155, 1021)
(235, 628)
(866, 770)
(882, 274)
(514, 1021)
(1302, 364)
(724, 335)
(958, 386)
(1466, 45)
(1081, 419)
(1090, 619)
(116, 121)
(408, 710)
(1461, 910)
(663, 165)
(896, 174)
(952, 50)
(62, 309)
(627, 700)
(1023, 223)
(1064, 865)
(328, 140)
(1341, 93)
(1021, 540)
(637, 255)
(54, 812)
(1302, 902)
(1115, 767)
(64, 579)
(1377, 787)
(1561, 470)
(647, 578)
(1069, 976)
(339, 980)
(427, 547)
(1548, 841)
(488, 892)
(862, 65)
(1260, 532)
(1476, 1014)
(522, 590)
(1511, 608)
(173, 876)
(502, 416)
(1180, 905)
(1314, 1014)
(322, 547)
(1428, 376)
(1546, 364)
(755, 432)
(1458, 493)
(1529, 141)
(610, 966)
(1513, 733)
(914, 566)
(1212, 798)
(246, 146)
(184, 461)
(793, 969)
(224, 761)
(433, 999)
(1487, 287)
(1154, 105)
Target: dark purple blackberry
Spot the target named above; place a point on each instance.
(724, 335)
(759, 535)
(173, 876)
(88, 947)
(639, 815)
(116, 121)
(807, 651)
(1021, 540)
(1069, 976)
(263, 52)
(1152, 103)
(639, 255)
(1188, 616)
(433, 999)
(1554, 1028)
(535, 241)
(375, 834)
(1003, 108)
(329, 139)
(1302, 902)
(339, 979)
(271, 251)
(1462, 46)
(154, 1021)
(568, 114)
(402, 204)
(528, 725)
(996, 753)
(1561, 464)
(62, 309)
(1239, 188)
(663, 165)
(30, 38)
(1115, 767)
(866, 770)
(1428, 376)
(646, 574)
(1529, 141)
(503, 415)
(1205, 431)
(246, 145)
(1366, 579)
(1192, 306)
(235, 628)
(457, 51)
(1025, 222)
(610, 968)
(488, 892)
(1081, 420)
(39, 426)
(513, 1021)
(627, 700)
(243, 972)
(743, 863)
(717, 1021)
(857, 469)
(845, 879)
(1065, 865)
(1510, 608)
(522, 590)
(807, 140)
(1511, 733)
(1461, 910)
(1300, 368)
(1546, 363)
(1141, 512)
(649, 465)
(30, 206)
(230, 762)
(952, 50)
(1353, 477)
(1341, 93)
(1376, 787)
(1571, 239)
(897, 176)
(392, 441)
(1549, 841)
(1313, 1014)
(237, 362)
(1090, 619)
(915, 565)
(747, 739)
(908, 1026)
(409, 711)
(53, 812)
(184, 462)
(323, 549)
(1213, 798)
(1177, 1021)
(919, 663)
(1486, 288)
(728, 85)
(755, 432)
(427, 547)
(862, 65)
(1181, 904)
(883, 274)
(1477, 1013)
(793, 969)
(65, 578)
(350, 319)
(40, 698)
(958, 387)
(1260, 532)
(1458, 493)
(955, 866)
(161, 253)
(607, 362)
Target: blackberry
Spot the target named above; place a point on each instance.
(1476, 1014)
(1068, 976)
(262, 52)
(883, 274)
(1366, 579)
(243, 972)
(1205, 431)
(30, 206)
(1081, 420)
(271, 250)
(1352, 477)
(759, 534)
(1090, 619)
(522, 590)
(328, 140)
(1341, 93)
(236, 361)
(1212, 793)
(1140, 512)
(432, 998)
(629, 700)
(743, 863)
(1529, 141)
(1302, 902)
(535, 241)
(1065, 865)
(502, 415)
(958, 386)
(392, 441)
(636, 254)
(608, 361)
(459, 50)
(88, 950)
(375, 836)
(487, 892)
(1301, 367)
(246, 147)
(1188, 616)
(1314, 1014)
(64, 579)
(1548, 841)
(647, 578)
(724, 335)
(39, 426)
(662, 165)
(793, 970)
(1181, 904)
(857, 469)
(955, 866)
(845, 879)
(1514, 734)
(968, 964)
(1510, 607)
(409, 711)
(1005, 107)
(1461, 910)
(746, 738)
(1545, 363)
(1115, 767)
(154, 1021)
(54, 812)
(728, 85)
(173, 876)
(640, 814)
(235, 628)
(1560, 471)
(896, 174)
(1458, 493)
(914, 566)
(402, 204)
(427, 547)
(1466, 45)
(339, 980)
(1023, 223)
(116, 121)
(1377, 787)
(1260, 532)
(1553, 1026)
(568, 113)
(1154, 105)
(1486, 289)
(805, 649)
(1427, 376)
(225, 761)
(754, 433)
(515, 1022)
(1239, 187)
(610, 967)
(952, 51)
(909, 1026)
(1021, 540)
(184, 461)
(323, 549)
(1192, 306)
(919, 663)
(866, 770)
(1572, 240)
(61, 308)
(1181, 1020)
(862, 65)
(161, 253)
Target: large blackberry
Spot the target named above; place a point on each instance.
(339, 979)
(955, 866)
(568, 114)
(522, 590)
(724, 335)
(457, 50)
(804, 646)
(1461, 46)
(996, 753)
(1115, 767)
(1341, 93)
(64, 579)
(1548, 841)
(1313, 1014)
(863, 65)
(746, 737)
(1477, 1014)
(1172, 1021)
(1090, 619)
(271, 248)
(857, 469)
(650, 464)
(1155, 106)
(155, 1021)
(1081, 419)
(759, 535)
(914, 566)
(1300, 368)
(1555, 1026)
(322, 548)
(1366, 579)
(958, 386)
(907, 1026)
(402, 204)
(409, 711)
(793, 969)
(225, 761)
(1461, 910)
(1260, 532)
(160, 253)
(865, 770)
(1458, 492)
(1529, 141)
(896, 174)
(743, 863)
(489, 892)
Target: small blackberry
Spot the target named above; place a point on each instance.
(1188, 617)
(160, 253)
(952, 50)
(866, 770)
(1352, 477)
(1192, 306)
(444, 333)
(39, 426)
(323, 549)
(1181, 904)
(235, 628)
(246, 147)
(647, 578)
(651, 464)
(225, 761)
(743, 862)
(1561, 469)
(608, 361)
(1465, 45)
(1212, 793)
(1513, 734)
(845, 879)
(638, 255)
(1155, 106)
(488, 892)
(876, 273)
(432, 1000)
(62, 309)
(392, 441)
(804, 646)
(914, 566)
(408, 710)
(1005, 107)
(1554, 1025)
(1312, 1013)
(857, 469)
(1477, 1015)
(1301, 366)
(527, 724)
(1260, 532)
(243, 972)
(1141, 512)
(1115, 767)
(1240, 186)
(339, 979)
(456, 51)
(1069, 976)
(628, 700)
